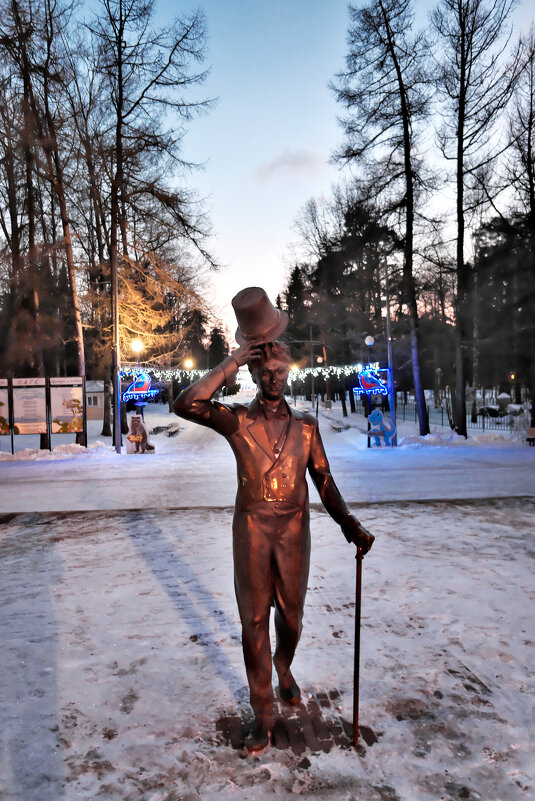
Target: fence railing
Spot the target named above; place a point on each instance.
(439, 416)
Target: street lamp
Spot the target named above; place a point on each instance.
(189, 364)
(138, 347)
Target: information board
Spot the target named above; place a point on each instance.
(29, 406)
(66, 406)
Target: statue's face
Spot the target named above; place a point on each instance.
(270, 378)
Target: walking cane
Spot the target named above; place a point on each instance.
(358, 593)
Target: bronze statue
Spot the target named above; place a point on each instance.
(274, 445)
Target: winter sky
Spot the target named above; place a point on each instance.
(267, 143)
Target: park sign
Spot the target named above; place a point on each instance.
(373, 379)
(44, 406)
(140, 388)
(29, 406)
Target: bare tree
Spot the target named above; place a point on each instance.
(147, 72)
(474, 87)
(521, 163)
(30, 38)
(385, 89)
(521, 175)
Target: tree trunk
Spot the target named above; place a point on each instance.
(460, 368)
(408, 277)
(352, 400)
(343, 399)
(106, 420)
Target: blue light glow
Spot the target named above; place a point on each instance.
(373, 380)
(139, 388)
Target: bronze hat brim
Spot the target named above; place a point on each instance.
(268, 336)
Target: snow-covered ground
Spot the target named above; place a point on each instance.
(121, 661)
(196, 468)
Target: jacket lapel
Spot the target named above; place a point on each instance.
(257, 429)
(292, 436)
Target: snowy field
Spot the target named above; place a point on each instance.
(121, 666)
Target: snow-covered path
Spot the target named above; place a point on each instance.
(120, 652)
(197, 468)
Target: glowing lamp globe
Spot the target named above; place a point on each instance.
(137, 346)
(188, 364)
(369, 341)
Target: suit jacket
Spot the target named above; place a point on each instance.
(264, 478)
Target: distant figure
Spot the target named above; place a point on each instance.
(274, 445)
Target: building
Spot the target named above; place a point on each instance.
(94, 394)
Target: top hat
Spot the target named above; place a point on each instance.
(258, 319)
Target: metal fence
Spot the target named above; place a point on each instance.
(439, 416)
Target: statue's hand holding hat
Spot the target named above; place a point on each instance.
(259, 321)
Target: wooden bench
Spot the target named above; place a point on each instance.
(530, 438)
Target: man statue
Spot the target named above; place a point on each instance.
(274, 445)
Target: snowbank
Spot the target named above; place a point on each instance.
(68, 451)
(451, 438)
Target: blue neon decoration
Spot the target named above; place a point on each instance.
(140, 388)
(372, 380)
(379, 430)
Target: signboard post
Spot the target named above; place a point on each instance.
(6, 428)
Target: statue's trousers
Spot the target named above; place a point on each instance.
(271, 563)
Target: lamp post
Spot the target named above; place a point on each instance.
(115, 349)
(369, 342)
(391, 388)
(138, 347)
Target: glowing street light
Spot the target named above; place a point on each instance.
(188, 364)
(137, 346)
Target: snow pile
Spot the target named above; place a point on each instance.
(67, 451)
(449, 438)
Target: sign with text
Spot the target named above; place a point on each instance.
(29, 406)
(4, 408)
(66, 406)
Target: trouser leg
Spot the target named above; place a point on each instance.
(253, 581)
(257, 657)
(290, 566)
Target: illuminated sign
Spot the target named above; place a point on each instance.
(140, 388)
(373, 380)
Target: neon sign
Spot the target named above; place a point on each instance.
(140, 388)
(373, 380)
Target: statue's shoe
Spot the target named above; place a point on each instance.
(259, 738)
(291, 695)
